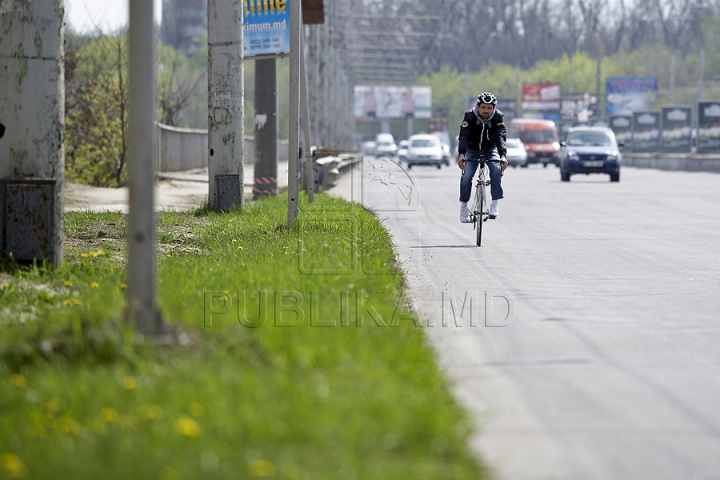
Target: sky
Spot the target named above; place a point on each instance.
(109, 15)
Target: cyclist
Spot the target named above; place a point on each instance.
(482, 133)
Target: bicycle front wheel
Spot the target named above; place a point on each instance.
(479, 220)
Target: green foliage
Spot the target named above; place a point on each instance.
(96, 110)
(288, 399)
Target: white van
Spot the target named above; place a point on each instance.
(385, 145)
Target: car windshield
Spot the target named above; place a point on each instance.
(423, 142)
(589, 139)
(539, 136)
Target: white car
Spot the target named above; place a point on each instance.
(385, 145)
(516, 153)
(425, 149)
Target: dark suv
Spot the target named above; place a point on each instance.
(590, 150)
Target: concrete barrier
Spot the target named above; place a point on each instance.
(181, 149)
(690, 162)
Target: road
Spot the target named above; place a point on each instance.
(592, 350)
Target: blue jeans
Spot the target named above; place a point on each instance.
(472, 156)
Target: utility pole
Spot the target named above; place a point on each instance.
(265, 172)
(141, 308)
(294, 131)
(225, 104)
(32, 130)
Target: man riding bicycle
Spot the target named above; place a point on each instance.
(482, 135)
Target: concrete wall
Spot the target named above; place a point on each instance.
(181, 149)
(691, 162)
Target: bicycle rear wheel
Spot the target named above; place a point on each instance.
(479, 219)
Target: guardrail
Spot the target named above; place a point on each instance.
(329, 164)
(690, 162)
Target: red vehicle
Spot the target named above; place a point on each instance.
(540, 138)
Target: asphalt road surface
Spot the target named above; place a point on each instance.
(584, 335)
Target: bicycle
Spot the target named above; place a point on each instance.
(480, 212)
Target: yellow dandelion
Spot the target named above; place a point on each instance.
(18, 380)
(77, 302)
(261, 468)
(187, 427)
(241, 248)
(93, 254)
(168, 255)
(84, 255)
(197, 410)
(68, 424)
(68, 284)
(94, 285)
(234, 240)
(129, 383)
(67, 301)
(187, 250)
(13, 465)
(109, 414)
(123, 286)
(101, 252)
(4, 285)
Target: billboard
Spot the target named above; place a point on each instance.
(675, 135)
(708, 127)
(266, 27)
(646, 131)
(508, 106)
(541, 96)
(621, 124)
(628, 95)
(392, 102)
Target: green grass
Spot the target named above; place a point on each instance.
(330, 379)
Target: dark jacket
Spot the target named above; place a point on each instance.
(479, 135)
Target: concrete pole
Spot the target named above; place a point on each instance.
(225, 104)
(702, 73)
(141, 307)
(32, 130)
(672, 78)
(265, 172)
(294, 132)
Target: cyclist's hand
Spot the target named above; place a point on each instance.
(461, 162)
(503, 164)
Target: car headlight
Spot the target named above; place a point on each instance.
(611, 157)
(573, 156)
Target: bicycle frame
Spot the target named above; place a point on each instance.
(480, 211)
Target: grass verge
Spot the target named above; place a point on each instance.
(299, 356)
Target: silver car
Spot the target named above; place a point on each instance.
(516, 153)
(425, 149)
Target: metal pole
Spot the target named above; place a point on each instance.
(672, 78)
(265, 172)
(294, 132)
(141, 307)
(309, 176)
(702, 73)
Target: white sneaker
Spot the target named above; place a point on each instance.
(464, 214)
(494, 208)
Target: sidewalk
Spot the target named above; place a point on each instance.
(173, 191)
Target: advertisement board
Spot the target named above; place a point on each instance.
(628, 95)
(541, 96)
(621, 124)
(646, 131)
(676, 129)
(266, 27)
(392, 102)
(708, 127)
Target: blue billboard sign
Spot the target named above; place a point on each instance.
(266, 27)
(628, 95)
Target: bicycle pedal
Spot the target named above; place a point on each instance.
(492, 217)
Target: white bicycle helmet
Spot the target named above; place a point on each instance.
(487, 97)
